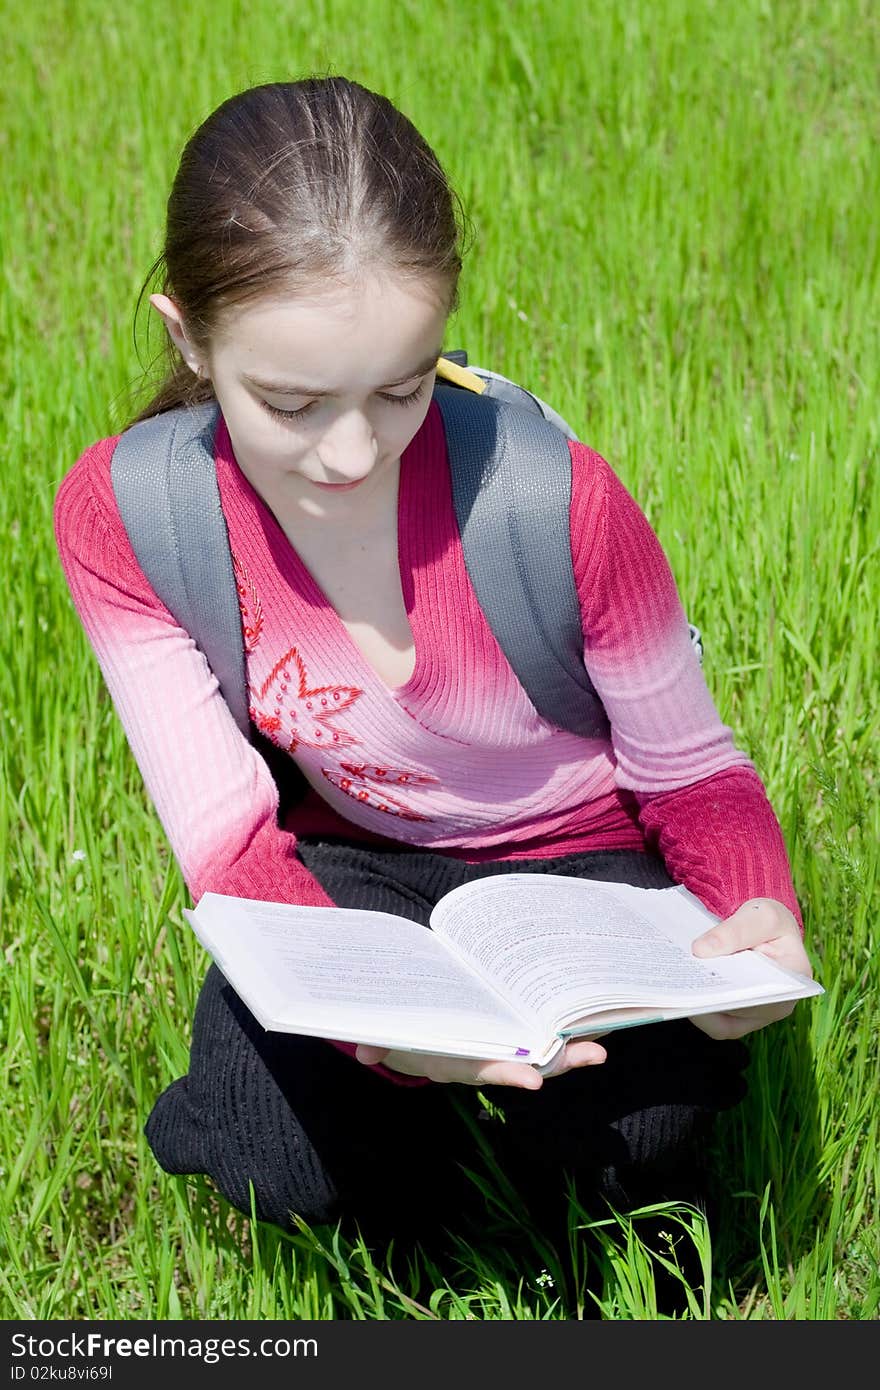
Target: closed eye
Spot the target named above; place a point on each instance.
(409, 399)
(287, 414)
(406, 400)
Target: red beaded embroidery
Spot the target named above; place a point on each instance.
(249, 605)
(355, 780)
(285, 702)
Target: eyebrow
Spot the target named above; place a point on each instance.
(287, 388)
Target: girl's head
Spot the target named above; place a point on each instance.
(301, 208)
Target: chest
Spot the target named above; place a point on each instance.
(358, 573)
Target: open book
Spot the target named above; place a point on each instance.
(513, 966)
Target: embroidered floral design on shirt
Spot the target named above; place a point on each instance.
(249, 605)
(287, 705)
(366, 783)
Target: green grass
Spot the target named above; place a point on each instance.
(677, 244)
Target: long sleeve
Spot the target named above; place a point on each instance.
(701, 802)
(212, 791)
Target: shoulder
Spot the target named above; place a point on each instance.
(89, 533)
(601, 500)
(86, 487)
(616, 554)
(592, 485)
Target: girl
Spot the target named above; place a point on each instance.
(311, 262)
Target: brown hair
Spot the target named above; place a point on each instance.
(289, 182)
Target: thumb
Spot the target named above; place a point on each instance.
(709, 944)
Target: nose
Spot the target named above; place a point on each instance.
(348, 448)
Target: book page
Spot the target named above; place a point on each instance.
(350, 975)
(560, 947)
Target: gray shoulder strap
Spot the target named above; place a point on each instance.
(511, 482)
(165, 484)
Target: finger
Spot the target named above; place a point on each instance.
(478, 1072)
(583, 1053)
(504, 1074)
(758, 921)
(586, 1052)
(789, 953)
(738, 1023)
(467, 1071)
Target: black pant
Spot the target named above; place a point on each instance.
(319, 1134)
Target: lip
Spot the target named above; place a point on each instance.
(340, 487)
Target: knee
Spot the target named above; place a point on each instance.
(245, 1149)
(279, 1196)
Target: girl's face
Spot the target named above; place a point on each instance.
(321, 394)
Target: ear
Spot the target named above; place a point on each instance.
(173, 320)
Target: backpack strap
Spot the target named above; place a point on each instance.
(511, 484)
(453, 368)
(165, 483)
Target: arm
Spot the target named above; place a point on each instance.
(212, 791)
(701, 802)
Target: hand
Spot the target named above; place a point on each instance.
(772, 930)
(471, 1071)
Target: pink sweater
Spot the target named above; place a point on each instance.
(434, 762)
